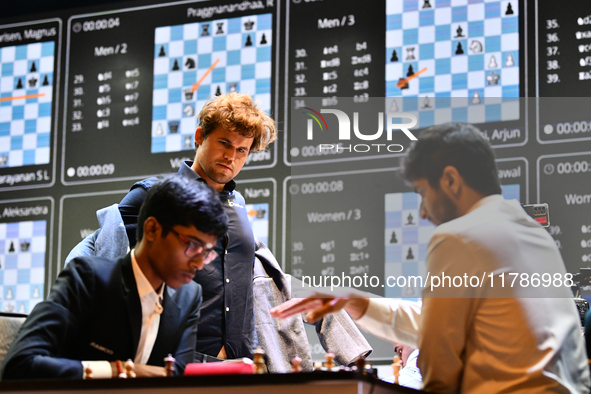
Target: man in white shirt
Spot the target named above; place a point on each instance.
(141, 307)
(477, 337)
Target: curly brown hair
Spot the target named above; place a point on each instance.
(238, 113)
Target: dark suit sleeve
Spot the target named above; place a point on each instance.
(43, 343)
(129, 208)
(186, 350)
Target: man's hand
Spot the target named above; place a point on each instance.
(141, 370)
(320, 307)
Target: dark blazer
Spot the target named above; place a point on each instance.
(94, 313)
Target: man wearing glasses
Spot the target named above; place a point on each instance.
(142, 307)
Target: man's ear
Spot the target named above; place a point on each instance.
(199, 136)
(152, 229)
(451, 180)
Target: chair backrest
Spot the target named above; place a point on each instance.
(10, 323)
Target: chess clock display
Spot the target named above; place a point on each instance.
(29, 75)
(261, 208)
(25, 253)
(135, 102)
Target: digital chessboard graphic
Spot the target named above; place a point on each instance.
(258, 215)
(196, 61)
(22, 265)
(440, 51)
(407, 237)
(26, 93)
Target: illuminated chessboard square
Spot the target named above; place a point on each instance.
(263, 99)
(476, 114)
(173, 142)
(442, 15)
(161, 66)
(46, 64)
(410, 235)
(175, 81)
(23, 263)
(37, 275)
(248, 55)
(204, 45)
(248, 87)
(31, 111)
(493, 112)
(191, 31)
(460, 114)
(442, 115)
(6, 85)
(44, 125)
(233, 42)
(476, 12)
(174, 111)
(393, 202)
(394, 6)
(393, 253)
(393, 218)
(190, 47)
(29, 141)
(510, 110)
(510, 42)
(34, 51)
(21, 68)
(10, 275)
(162, 35)
(427, 117)
(22, 288)
(42, 155)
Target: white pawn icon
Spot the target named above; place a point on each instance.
(36, 293)
(476, 97)
(493, 62)
(510, 62)
(159, 130)
(22, 309)
(9, 294)
(394, 106)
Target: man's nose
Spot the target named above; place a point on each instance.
(230, 154)
(423, 211)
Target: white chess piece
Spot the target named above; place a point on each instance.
(476, 97)
(159, 130)
(394, 106)
(493, 62)
(510, 62)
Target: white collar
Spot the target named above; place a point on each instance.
(143, 285)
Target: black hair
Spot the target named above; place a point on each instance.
(178, 200)
(459, 145)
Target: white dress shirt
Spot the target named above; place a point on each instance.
(151, 310)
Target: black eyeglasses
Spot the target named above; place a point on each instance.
(197, 248)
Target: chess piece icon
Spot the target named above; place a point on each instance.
(261, 214)
(248, 42)
(248, 25)
(205, 30)
(509, 10)
(159, 129)
(233, 87)
(509, 62)
(21, 308)
(173, 126)
(410, 219)
(25, 246)
(394, 106)
(263, 40)
(426, 103)
(36, 292)
(476, 97)
(296, 364)
(459, 49)
(426, 4)
(459, 32)
(410, 71)
(9, 294)
(218, 91)
(175, 66)
(32, 82)
(220, 29)
(410, 53)
(410, 255)
(169, 365)
(11, 248)
(162, 53)
(410, 290)
(188, 97)
(492, 63)
(45, 81)
(3, 160)
(188, 109)
(393, 239)
(187, 142)
(9, 308)
(19, 84)
(190, 63)
(492, 78)
(476, 46)
(33, 67)
(394, 57)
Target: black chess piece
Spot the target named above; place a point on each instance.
(218, 91)
(190, 63)
(11, 248)
(205, 30)
(19, 84)
(32, 82)
(509, 10)
(162, 53)
(393, 239)
(220, 29)
(411, 71)
(175, 66)
(45, 81)
(410, 219)
(263, 39)
(33, 68)
(394, 57)
(459, 32)
(459, 50)
(248, 42)
(410, 255)
(426, 4)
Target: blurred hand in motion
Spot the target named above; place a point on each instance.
(319, 305)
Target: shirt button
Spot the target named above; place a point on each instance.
(227, 280)
(227, 309)
(226, 251)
